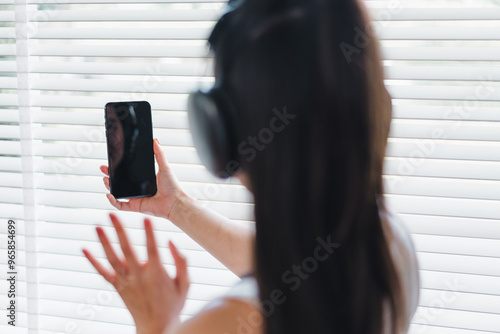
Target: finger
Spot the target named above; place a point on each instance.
(123, 206)
(151, 242)
(129, 253)
(113, 259)
(108, 275)
(160, 156)
(104, 169)
(106, 182)
(182, 276)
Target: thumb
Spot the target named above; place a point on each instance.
(160, 156)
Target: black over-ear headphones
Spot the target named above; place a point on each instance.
(211, 117)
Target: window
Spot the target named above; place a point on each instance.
(62, 60)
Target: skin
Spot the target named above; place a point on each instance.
(203, 225)
(155, 299)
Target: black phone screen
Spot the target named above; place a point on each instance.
(129, 135)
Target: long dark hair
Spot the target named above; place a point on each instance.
(312, 123)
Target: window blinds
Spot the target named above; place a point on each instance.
(11, 177)
(442, 168)
(66, 59)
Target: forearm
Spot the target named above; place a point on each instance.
(230, 243)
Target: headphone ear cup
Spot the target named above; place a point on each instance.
(211, 126)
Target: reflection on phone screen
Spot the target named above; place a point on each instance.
(130, 149)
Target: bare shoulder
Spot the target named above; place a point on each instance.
(224, 316)
(405, 257)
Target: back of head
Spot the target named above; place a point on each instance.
(312, 120)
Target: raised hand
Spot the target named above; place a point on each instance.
(168, 193)
(154, 299)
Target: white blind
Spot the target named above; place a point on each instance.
(442, 61)
(11, 176)
(82, 55)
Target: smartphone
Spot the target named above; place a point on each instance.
(129, 136)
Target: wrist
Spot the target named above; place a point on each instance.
(182, 205)
(173, 323)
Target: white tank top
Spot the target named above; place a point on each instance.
(403, 252)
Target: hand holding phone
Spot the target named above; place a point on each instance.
(161, 204)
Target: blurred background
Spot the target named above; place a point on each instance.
(62, 60)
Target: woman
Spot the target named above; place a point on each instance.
(327, 255)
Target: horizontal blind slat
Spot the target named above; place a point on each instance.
(487, 266)
(460, 301)
(117, 51)
(10, 148)
(11, 195)
(7, 49)
(461, 319)
(9, 132)
(232, 210)
(465, 130)
(73, 2)
(119, 86)
(156, 68)
(7, 33)
(8, 66)
(458, 112)
(9, 116)
(442, 53)
(448, 73)
(64, 247)
(8, 100)
(7, 16)
(122, 33)
(444, 187)
(85, 279)
(439, 33)
(167, 120)
(11, 211)
(11, 180)
(51, 324)
(10, 164)
(432, 329)
(175, 103)
(457, 245)
(198, 292)
(172, 137)
(434, 14)
(125, 15)
(69, 220)
(440, 206)
(397, 169)
(442, 93)
(452, 226)
(468, 283)
(444, 149)
(74, 153)
(80, 185)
